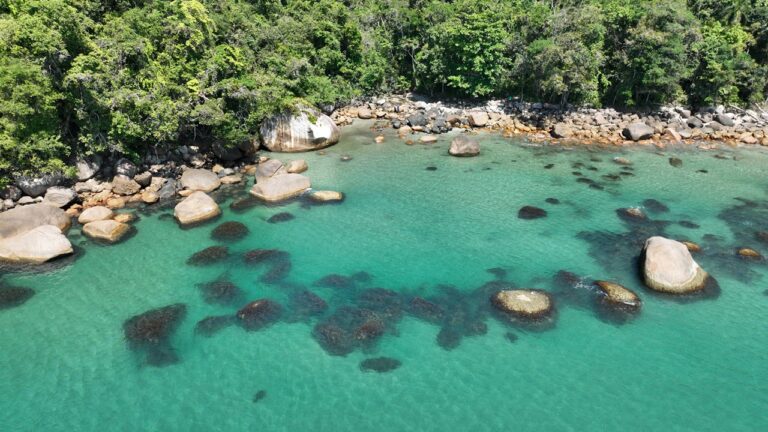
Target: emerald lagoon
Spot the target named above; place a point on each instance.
(404, 269)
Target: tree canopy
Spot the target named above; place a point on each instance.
(79, 77)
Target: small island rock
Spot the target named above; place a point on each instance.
(197, 207)
(669, 267)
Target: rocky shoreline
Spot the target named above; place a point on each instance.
(188, 173)
(546, 122)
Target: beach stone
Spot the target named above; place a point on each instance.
(269, 168)
(619, 295)
(478, 119)
(364, 113)
(523, 303)
(35, 246)
(92, 214)
(561, 130)
(694, 123)
(724, 119)
(622, 161)
(417, 119)
(428, 139)
(379, 139)
(307, 130)
(326, 196)
(107, 230)
(638, 131)
(281, 187)
(149, 197)
(200, 180)
(297, 166)
(59, 196)
(231, 179)
(464, 146)
(669, 267)
(122, 185)
(116, 202)
(144, 179)
(21, 219)
(124, 217)
(195, 208)
(531, 212)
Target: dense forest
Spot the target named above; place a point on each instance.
(79, 77)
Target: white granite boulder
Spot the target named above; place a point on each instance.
(200, 180)
(92, 214)
(197, 207)
(669, 267)
(35, 246)
(305, 130)
(281, 187)
(21, 219)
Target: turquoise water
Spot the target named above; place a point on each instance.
(679, 365)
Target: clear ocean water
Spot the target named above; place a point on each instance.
(695, 365)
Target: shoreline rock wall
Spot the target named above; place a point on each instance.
(548, 122)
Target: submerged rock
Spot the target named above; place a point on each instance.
(554, 201)
(151, 331)
(12, 296)
(258, 256)
(655, 206)
(230, 231)
(211, 325)
(280, 217)
(676, 162)
(209, 255)
(531, 212)
(305, 304)
(220, 292)
(258, 396)
(380, 364)
(528, 304)
(259, 314)
(335, 281)
(668, 267)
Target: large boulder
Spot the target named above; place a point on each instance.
(669, 267)
(561, 130)
(281, 187)
(36, 186)
(125, 167)
(197, 207)
(59, 196)
(107, 230)
(92, 214)
(464, 146)
(123, 185)
(87, 167)
(200, 180)
(523, 303)
(35, 246)
(306, 130)
(269, 168)
(638, 131)
(724, 119)
(25, 218)
(478, 119)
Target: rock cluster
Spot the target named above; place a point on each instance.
(546, 121)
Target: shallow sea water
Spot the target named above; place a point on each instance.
(696, 365)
